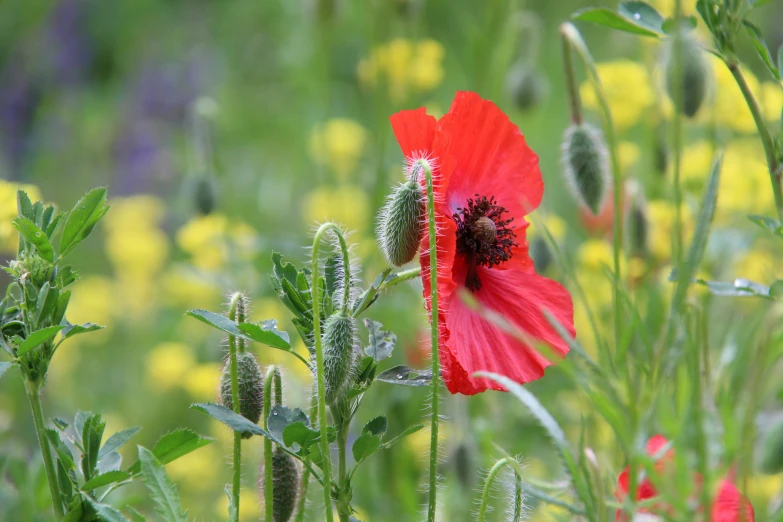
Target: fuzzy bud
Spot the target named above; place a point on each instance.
(205, 195)
(401, 223)
(526, 86)
(251, 388)
(772, 451)
(638, 227)
(585, 165)
(338, 340)
(542, 256)
(692, 80)
(285, 485)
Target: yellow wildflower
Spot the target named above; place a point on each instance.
(338, 144)
(202, 381)
(168, 364)
(346, 204)
(249, 508)
(595, 254)
(744, 182)
(211, 240)
(405, 66)
(139, 212)
(628, 154)
(8, 212)
(181, 288)
(696, 163)
(195, 469)
(628, 90)
(727, 105)
(137, 252)
(94, 300)
(660, 217)
(757, 265)
(553, 223)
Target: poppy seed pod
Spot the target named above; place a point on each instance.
(772, 451)
(285, 485)
(585, 165)
(251, 388)
(692, 80)
(338, 354)
(401, 223)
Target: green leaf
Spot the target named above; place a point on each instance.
(111, 462)
(37, 338)
(776, 289)
(688, 23)
(105, 479)
(103, 512)
(377, 426)
(369, 296)
(221, 322)
(75, 329)
(162, 489)
(768, 223)
(138, 517)
(364, 446)
(266, 333)
(75, 512)
(174, 445)
(35, 236)
(406, 376)
(233, 509)
(63, 452)
(82, 219)
(608, 18)
(759, 3)
(643, 15)
(299, 437)
(757, 38)
(62, 306)
(738, 288)
(24, 205)
(405, 433)
(233, 420)
(4, 367)
(381, 343)
(780, 59)
(65, 276)
(47, 303)
(117, 440)
(280, 417)
(92, 434)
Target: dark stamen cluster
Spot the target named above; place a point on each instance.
(483, 236)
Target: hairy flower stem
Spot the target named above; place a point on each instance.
(433, 482)
(319, 352)
(272, 376)
(236, 313)
(341, 416)
(34, 395)
(570, 75)
(677, 238)
(301, 505)
(773, 163)
(487, 491)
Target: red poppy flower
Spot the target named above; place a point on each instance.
(729, 504)
(486, 179)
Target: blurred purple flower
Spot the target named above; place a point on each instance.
(20, 97)
(69, 43)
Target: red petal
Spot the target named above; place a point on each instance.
(415, 132)
(492, 158)
(478, 345)
(731, 506)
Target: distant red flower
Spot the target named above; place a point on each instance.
(729, 504)
(486, 179)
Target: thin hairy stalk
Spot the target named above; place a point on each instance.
(405, 275)
(34, 396)
(677, 239)
(272, 375)
(574, 100)
(235, 310)
(433, 481)
(342, 421)
(486, 492)
(301, 505)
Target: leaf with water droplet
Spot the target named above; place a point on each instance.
(406, 376)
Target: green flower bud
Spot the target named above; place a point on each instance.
(772, 451)
(638, 228)
(542, 256)
(692, 80)
(401, 223)
(661, 152)
(205, 194)
(338, 340)
(251, 388)
(585, 165)
(526, 86)
(285, 485)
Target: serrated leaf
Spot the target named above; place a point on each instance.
(281, 416)
(35, 236)
(24, 205)
(299, 437)
(92, 434)
(47, 303)
(78, 424)
(768, 223)
(111, 462)
(82, 219)
(110, 477)
(376, 426)
(174, 445)
(364, 446)
(61, 450)
(608, 18)
(161, 488)
(221, 322)
(62, 306)
(266, 333)
(136, 516)
(4, 367)
(117, 440)
(757, 38)
(405, 376)
(37, 338)
(104, 512)
(643, 15)
(381, 343)
(75, 329)
(233, 420)
(75, 512)
(405, 433)
(368, 297)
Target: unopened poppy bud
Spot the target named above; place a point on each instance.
(585, 165)
(772, 451)
(338, 340)
(661, 153)
(638, 227)
(285, 485)
(526, 86)
(692, 80)
(205, 194)
(540, 253)
(250, 388)
(401, 223)
(465, 465)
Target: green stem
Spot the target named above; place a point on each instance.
(343, 502)
(677, 238)
(236, 310)
(433, 482)
(301, 505)
(573, 89)
(272, 375)
(773, 164)
(34, 396)
(487, 491)
(405, 275)
(319, 359)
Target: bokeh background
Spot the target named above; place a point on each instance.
(277, 112)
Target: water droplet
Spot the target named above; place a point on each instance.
(637, 16)
(274, 413)
(37, 234)
(399, 376)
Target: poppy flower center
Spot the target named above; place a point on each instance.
(484, 237)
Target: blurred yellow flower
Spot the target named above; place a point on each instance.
(137, 252)
(757, 265)
(200, 470)
(660, 217)
(8, 212)
(771, 100)
(348, 205)
(628, 154)
(595, 254)
(202, 381)
(93, 299)
(404, 65)
(727, 105)
(696, 163)
(338, 144)
(628, 89)
(212, 240)
(185, 289)
(168, 365)
(249, 508)
(744, 182)
(552, 222)
(139, 212)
